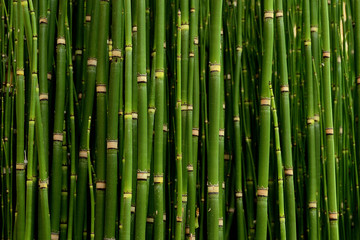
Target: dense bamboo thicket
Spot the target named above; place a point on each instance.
(180, 119)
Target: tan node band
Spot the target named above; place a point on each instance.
(20, 72)
(92, 62)
(100, 185)
(101, 88)
(49, 76)
(88, 18)
(214, 189)
(329, 131)
(43, 96)
(159, 73)
(333, 216)
(265, 102)
(239, 49)
(178, 219)
(158, 179)
(184, 26)
(236, 119)
(314, 29)
(195, 132)
(316, 118)
(58, 137)
(262, 192)
(116, 53)
(184, 107)
(221, 222)
(312, 204)
(358, 80)
(127, 195)
(61, 41)
(310, 120)
(78, 52)
(279, 14)
(132, 209)
(141, 78)
(215, 67)
(284, 88)
(187, 230)
(54, 236)
(289, 172)
(150, 220)
(43, 184)
(134, 115)
(326, 54)
(43, 20)
(190, 168)
(134, 29)
(307, 43)
(112, 144)
(269, 14)
(221, 132)
(20, 166)
(184, 198)
(141, 176)
(164, 217)
(196, 41)
(165, 128)
(238, 194)
(226, 156)
(83, 154)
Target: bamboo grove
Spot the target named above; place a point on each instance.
(180, 119)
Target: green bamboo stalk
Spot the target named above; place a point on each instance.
(58, 137)
(125, 221)
(159, 225)
(64, 188)
(214, 118)
(329, 130)
(264, 147)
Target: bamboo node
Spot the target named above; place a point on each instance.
(101, 88)
(213, 189)
(78, 52)
(196, 41)
(184, 198)
(190, 107)
(307, 42)
(221, 132)
(165, 128)
(20, 166)
(310, 121)
(215, 67)
(20, 72)
(43, 184)
(239, 49)
(151, 110)
(49, 76)
(179, 157)
(159, 73)
(134, 115)
(127, 195)
(326, 54)
(58, 137)
(284, 88)
(83, 154)
(269, 14)
(262, 192)
(358, 80)
(61, 41)
(100, 185)
(80, 96)
(43, 96)
(231, 210)
(92, 62)
(237, 119)
(43, 20)
(141, 175)
(192, 10)
(134, 29)
(190, 168)
(112, 144)
(265, 101)
(221, 222)
(128, 47)
(133, 209)
(279, 14)
(226, 156)
(150, 220)
(178, 219)
(316, 118)
(88, 18)
(329, 131)
(116, 53)
(158, 179)
(184, 26)
(333, 216)
(141, 78)
(184, 107)
(54, 236)
(187, 230)
(288, 172)
(191, 54)
(195, 132)
(238, 194)
(314, 29)
(312, 204)
(164, 217)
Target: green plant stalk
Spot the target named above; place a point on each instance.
(101, 120)
(159, 225)
(20, 120)
(329, 130)
(214, 119)
(142, 182)
(91, 188)
(264, 142)
(56, 175)
(125, 220)
(64, 188)
(86, 113)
